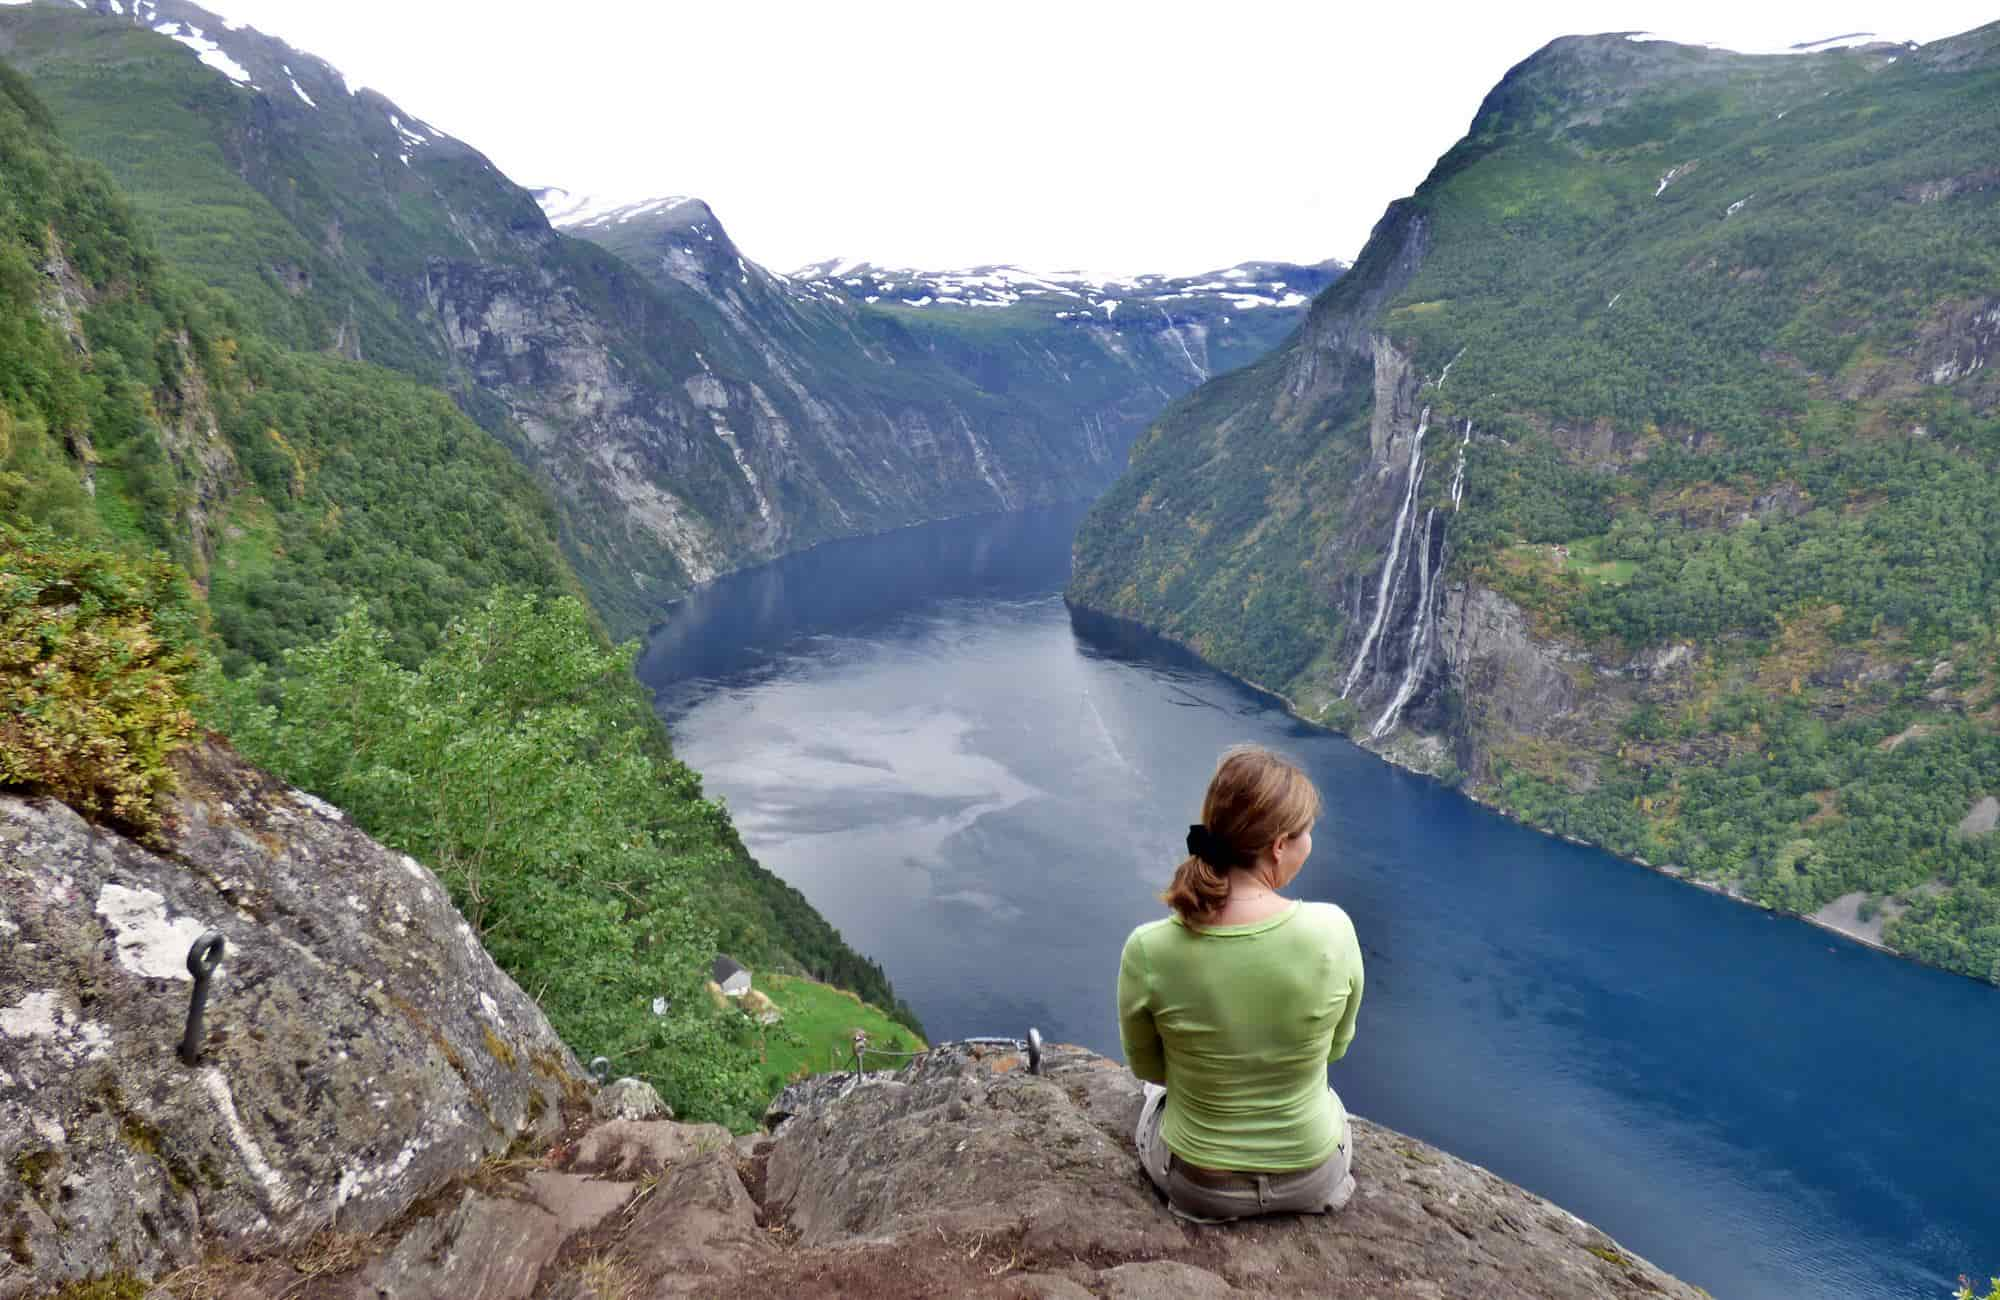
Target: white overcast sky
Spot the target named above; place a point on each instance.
(1094, 134)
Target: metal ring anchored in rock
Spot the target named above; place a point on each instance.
(203, 959)
(600, 1069)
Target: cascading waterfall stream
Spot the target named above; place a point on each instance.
(1458, 475)
(1419, 651)
(1421, 634)
(1389, 589)
(1194, 365)
(1396, 587)
(1395, 553)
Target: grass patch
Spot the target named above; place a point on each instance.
(817, 1033)
(1581, 558)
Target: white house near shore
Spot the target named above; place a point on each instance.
(731, 975)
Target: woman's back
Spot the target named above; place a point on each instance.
(1240, 1022)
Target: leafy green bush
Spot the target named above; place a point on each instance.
(521, 761)
(97, 651)
(1965, 1291)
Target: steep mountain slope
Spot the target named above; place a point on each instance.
(681, 435)
(1050, 366)
(136, 410)
(1642, 473)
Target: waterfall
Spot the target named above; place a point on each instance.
(1419, 652)
(1395, 552)
(1458, 475)
(1396, 587)
(1420, 635)
(1200, 374)
(1446, 372)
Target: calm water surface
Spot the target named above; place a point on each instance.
(986, 794)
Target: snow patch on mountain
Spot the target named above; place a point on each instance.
(1246, 288)
(414, 139)
(856, 281)
(566, 209)
(207, 50)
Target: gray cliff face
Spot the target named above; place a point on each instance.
(361, 1048)
(1508, 682)
(1336, 347)
(193, 442)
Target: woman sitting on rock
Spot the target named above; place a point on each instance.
(1236, 1003)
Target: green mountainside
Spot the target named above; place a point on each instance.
(1644, 475)
(364, 589)
(136, 409)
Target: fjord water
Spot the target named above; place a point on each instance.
(985, 794)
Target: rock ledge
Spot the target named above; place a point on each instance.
(961, 1175)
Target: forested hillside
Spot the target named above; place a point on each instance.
(136, 409)
(1642, 474)
(332, 563)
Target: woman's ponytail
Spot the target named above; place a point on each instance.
(1197, 890)
(1254, 798)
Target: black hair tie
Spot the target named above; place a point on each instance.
(1205, 844)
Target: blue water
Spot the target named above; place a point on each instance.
(985, 793)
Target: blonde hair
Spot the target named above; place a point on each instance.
(1254, 799)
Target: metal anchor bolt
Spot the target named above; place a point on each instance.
(203, 958)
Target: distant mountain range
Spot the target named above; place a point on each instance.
(688, 411)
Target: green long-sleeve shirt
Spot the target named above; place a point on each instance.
(1239, 1022)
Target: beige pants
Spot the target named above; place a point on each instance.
(1319, 1190)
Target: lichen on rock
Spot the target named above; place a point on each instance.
(346, 1069)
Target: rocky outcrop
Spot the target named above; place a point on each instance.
(360, 1048)
(1511, 682)
(1335, 349)
(962, 1175)
(966, 1145)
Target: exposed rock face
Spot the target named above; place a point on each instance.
(361, 1048)
(968, 1144)
(1511, 683)
(1335, 349)
(962, 1175)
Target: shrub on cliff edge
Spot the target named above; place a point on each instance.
(97, 651)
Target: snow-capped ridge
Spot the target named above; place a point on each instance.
(1245, 287)
(1845, 41)
(566, 208)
